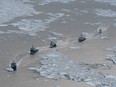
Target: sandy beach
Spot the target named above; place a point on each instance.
(37, 22)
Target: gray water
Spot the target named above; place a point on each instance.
(30, 17)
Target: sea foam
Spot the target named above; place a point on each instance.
(112, 2)
(10, 9)
(55, 65)
(105, 13)
(43, 2)
(31, 26)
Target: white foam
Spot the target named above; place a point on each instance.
(105, 13)
(90, 23)
(87, 35)
(14, 31)
(10, 9)
(103, 27)
(43, 2)
(9, 69)
(31, 26)
(112, 2)
(75, 48)
(104, 37)
(113, 59)
(66, 10)
(53, 17)
(26, 1)
(112, 49)
(54, 35)
(55, 65)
